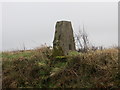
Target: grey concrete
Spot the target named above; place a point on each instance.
(64, 37)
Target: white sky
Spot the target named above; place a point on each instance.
(33, 23)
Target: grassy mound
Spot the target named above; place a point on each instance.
(36, 69)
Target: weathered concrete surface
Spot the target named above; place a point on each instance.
(64, 39)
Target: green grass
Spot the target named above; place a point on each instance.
(36, 69)
(10, 55)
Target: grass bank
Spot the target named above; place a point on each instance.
(36, 69)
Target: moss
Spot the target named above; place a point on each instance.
(73, 53)
(57, 51)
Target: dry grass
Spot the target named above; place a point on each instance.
(37, 69)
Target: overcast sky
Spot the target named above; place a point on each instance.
(33, 24)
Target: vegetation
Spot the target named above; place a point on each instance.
(37, 69)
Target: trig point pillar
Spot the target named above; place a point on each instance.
(63, 38)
